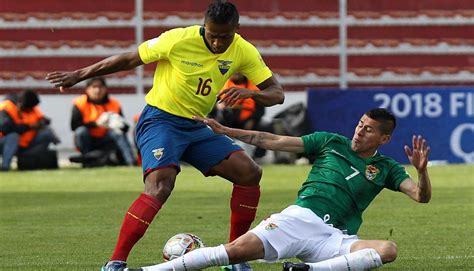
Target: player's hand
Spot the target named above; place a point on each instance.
(214, 124)
(62, 80)
(418, 156)
(233, 95)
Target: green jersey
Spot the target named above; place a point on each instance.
(341, 184)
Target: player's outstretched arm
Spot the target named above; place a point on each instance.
(263, 140)
(121, 62)
(418, 157)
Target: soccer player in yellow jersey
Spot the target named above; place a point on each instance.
(193, 65)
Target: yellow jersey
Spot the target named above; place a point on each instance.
(189, 76)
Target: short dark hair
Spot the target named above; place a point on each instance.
(28, 99)
(222, 12)
(386, 118)
(101, 79)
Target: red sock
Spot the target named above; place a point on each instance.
(243, 206)
(136, 222)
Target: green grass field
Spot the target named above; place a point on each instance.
(69, 219)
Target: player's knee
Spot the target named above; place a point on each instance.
(388, 251)
(237, 252)
(247, 247)
(159, 186)
(256, 174)
(234, 252)
(161, 191)
(252, 175)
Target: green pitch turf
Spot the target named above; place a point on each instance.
(68, 219)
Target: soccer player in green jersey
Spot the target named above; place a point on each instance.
(193, 65)
(320, 227)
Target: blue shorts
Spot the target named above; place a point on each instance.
(165, 139)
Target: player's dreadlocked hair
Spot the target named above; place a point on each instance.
(385, 117)
(222, 12)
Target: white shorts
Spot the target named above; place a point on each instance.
(298, 232)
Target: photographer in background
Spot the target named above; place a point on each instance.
(25, 131)
(100, 131)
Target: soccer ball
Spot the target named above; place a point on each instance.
(181, 244)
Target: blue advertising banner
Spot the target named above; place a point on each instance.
(443, 115)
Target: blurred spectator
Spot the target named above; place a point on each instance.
(100, 130)
(245, 114)
(24, 130)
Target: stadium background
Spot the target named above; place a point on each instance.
(421, 51)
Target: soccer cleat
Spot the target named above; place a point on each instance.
(114, 266)
(287, 266)
(133, 269)
(237, 267)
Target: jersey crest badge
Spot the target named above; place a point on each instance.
(371, 172)
(224, 66)
(271, 226)
(158, 153)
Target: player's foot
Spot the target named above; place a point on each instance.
(133, 269)
(114, 266)
(287, 266)
(245, 266)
